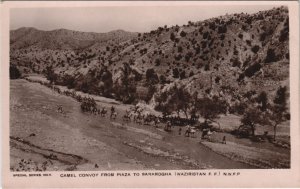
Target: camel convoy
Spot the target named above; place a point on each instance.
(134, 114)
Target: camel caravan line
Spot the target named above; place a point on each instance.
(135, 114)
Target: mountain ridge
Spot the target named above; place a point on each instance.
(227, 56)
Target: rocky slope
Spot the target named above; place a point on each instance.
(229, 56)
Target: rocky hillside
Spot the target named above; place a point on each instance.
(228, 56)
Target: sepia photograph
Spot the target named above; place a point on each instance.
(115, 89)
(199, 89)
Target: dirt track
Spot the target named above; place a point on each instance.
(45, 135)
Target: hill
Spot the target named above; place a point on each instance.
(231, 57)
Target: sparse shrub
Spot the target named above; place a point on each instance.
(175, 73)
(162, 79)
(248, 42)
(178, 57)
(204, 44)
(235, 62)
(197, 50)
(200, 30)
(284, 33)
(182, 33)
(235, 52)
(271, 56)
(179, 49)
(190, 23)
(206, 67)
(222, 37)
(188, 56)
(14, 72)
(160, 29)
(172, 36)
(244, 27)
(217, 80)
(191, 74)
(205, 35)
(157, 62)
(241, 77)
(263, 36)
(287, 56)
(182, 75)
(249, 72)
(281, 96)
(212, 26)
(255, 49)
(222, 29)
(151, 76)
(262, 99)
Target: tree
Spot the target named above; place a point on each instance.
(176, 99)
(126, 87)
(182, 99)
(105, 77)
(279, 109)
(263, 100)
(281, 97)
(211, 108)
(50, 75)
(69, 81)
(151, 92)
(162, 100)
(84, 87)
(251, 118)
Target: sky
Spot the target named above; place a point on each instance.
(105, 19)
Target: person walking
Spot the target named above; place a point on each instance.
(224, 140)
(188, 131)
(179, 131)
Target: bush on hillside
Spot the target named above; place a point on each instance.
(255, 48)
(271, 56)
(14, 72)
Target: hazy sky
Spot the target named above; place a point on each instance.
(104, 19)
